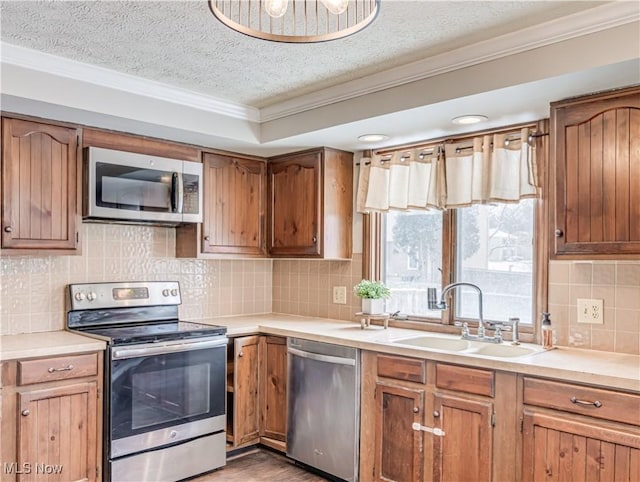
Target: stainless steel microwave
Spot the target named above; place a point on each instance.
(137, 188)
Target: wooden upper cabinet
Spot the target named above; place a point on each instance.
(40, 186)
(234, 205)
(311, 204)
(596, 147)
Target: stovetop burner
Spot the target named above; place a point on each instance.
(132, 312)
(154, 332)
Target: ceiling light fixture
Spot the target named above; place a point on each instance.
(469, 119)
(296, 21)
(373, 137)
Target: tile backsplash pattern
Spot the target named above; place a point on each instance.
(615, 282)
(305, 287)
(32, 289)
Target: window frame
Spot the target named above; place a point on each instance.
(373, 228)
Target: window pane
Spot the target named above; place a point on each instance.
(495, 252)
(412, 259)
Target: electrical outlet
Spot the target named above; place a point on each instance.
(590, 311)
(340, 295)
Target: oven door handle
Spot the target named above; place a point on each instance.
(124, 353)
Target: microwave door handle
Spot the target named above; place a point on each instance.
(180, 192)
(174, 192)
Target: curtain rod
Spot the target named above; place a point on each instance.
(428, 144)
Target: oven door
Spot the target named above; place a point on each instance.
(167, 392)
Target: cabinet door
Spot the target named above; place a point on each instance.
(274, 388)
(246, 416)
(40, 200)
(597, 167)
(234, 200)
(57, 433)
(295, 206)
(558, 448)
(465, 450)
(399, 452)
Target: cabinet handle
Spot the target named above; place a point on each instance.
(25, 412)
(8, 229)
(416, 409)
(63, 369)
(576, 401)
(436, 414)
(559, 233)
(206, 238)
(241, 354)
(314, 239)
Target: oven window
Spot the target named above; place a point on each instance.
(167, 395)
(158, 391)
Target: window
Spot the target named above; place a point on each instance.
(488, 245)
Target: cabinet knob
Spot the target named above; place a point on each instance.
(206, 238)
(416, 409)
(558, 233)
(25, 412)
(436, 414)
(314, 239)
(8, 229)
(241, 354)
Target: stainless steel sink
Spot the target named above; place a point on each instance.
(437, 343)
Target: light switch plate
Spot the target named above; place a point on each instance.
(340, 295)
(590, 311)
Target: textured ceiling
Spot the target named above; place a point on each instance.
(182, 44)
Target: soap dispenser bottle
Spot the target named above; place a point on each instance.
(547, 332)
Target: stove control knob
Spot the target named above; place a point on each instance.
(165, 292)
(174, 292)
(91, 296)
(79, 296)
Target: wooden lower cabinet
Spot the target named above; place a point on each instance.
(556, 447)
(256, 392)
(465, 450)
(399, 451)
(51, 431)
(436, 424)
(274, 388)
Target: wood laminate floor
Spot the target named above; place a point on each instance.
(261, 465)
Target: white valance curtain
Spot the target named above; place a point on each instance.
(490, 168)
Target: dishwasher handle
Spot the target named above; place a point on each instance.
(322, 358)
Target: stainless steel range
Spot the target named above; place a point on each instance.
(164, 410)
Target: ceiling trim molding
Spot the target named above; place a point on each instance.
(72, 69)
(583, 23)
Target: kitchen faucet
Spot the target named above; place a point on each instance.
(442, 305)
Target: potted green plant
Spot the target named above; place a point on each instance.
(373, 294)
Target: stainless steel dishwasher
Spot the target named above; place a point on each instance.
(323, 424)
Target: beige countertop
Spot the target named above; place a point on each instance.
(48, 343)
(569, 364)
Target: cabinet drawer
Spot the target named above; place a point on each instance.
(463, 379)
(401, 368)
(57, 368)
(593, 402)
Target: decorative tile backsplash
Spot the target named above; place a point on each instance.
(615, 282)
(305, 287)
(32, 289)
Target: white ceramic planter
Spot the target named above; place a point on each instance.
(372, 307)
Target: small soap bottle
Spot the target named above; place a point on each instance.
(547, 332)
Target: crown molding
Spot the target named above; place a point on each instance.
(576, 25)
(72, 69)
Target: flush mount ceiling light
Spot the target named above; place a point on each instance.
(469, 119)
(373, 137)
(296, 21)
